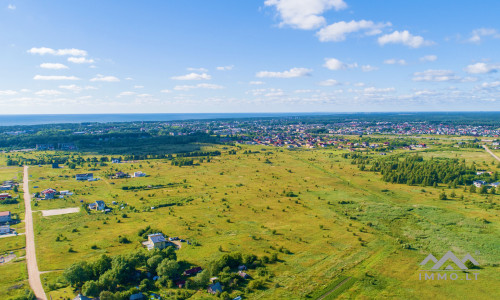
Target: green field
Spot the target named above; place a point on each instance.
(325, 219)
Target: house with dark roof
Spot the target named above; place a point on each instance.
(192, 271)
(215, 288)
(85, 176)
(98, 205)
(5, 216)
(156, 241)
(48, 194)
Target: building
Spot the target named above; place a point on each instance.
(479, 183)
(139, 174)
(4, 196)
(4, 229)
(86, 176)
(116, 160)
(6, 187)
(98, 205)
(215, 288)
(5, 216)
(156, 241)
(66, 193)
(48, 194)
(192, 271)
(121, 175)
(82, 297)
(138, 296)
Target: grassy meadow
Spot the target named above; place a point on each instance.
(328, 221)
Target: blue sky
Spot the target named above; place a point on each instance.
(248, 56)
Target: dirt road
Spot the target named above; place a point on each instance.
(33, 273)
(490, 152)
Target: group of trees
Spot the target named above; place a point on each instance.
(414, 170)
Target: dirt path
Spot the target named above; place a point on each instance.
(334, 289)
(60, 211)
(33, 272)
(490, 152)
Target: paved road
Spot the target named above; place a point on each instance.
(33, 273)
(490, 152)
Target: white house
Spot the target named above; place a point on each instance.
(139, 174)
(479, 183)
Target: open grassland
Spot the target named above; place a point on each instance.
(325, 218)
(13, 279)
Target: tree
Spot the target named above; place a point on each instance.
(201, 279)
(101, 265)
(153, 262)
(168, 268)
(443, 196)
(106, 295)
(78, 273)
(91, 289)
(483, 190)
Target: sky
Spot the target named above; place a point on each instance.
(206, 56)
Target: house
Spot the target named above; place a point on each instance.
(154, 296)
(156, 241)
(5, 229)
(121, 175)
(82, 297)
(4, 196)
(98, 205)
(6, 187)
(116, 160)
(242, 268)
(138, 296)
(86, 176)
(479, 183)
(192, 271)
(243, 275)
(48, 193)
(495, 184)
(5, 216)
(180, 283)
(215, 288)
(66, 193)
(139, 174)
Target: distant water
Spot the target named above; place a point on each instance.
(10, 120)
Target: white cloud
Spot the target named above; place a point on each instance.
(59, 52)
(193, 76)
(374, 90)
(337, 32)
(166, 91)
(8, 93)
(55, 77)
(201, 70)
(428, 58)
(393, 61)
(481, 32)
(198, 86)
(256, 82)
(225, 68)
(53, 66)
(304, 14)
(80, 60)
(405, 38)
(368, 68)
(48, 93)
(103, 78)
(11, 7)
(292, 73)
(75, 88)
(435, 76)
(270, 92)
(127, 93)
(481, 68)
(329, 82)
(335, 64)
(489, 85)
(138, 86)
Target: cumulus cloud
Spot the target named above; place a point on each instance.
(368, 68)
(103, 78)
(405, 38)
(374, 90)
(270, 92)
(488, 85)
(256, 82)
(225, 68)
(198, 86)
(335, 64)
(11, 7)
(329, 82)
(481, 68)
(337, 32)
(477, 34)
(75, 88)
(200, 70)
(435, 76)
(55, 77)
(53, 66)
(193, 76)
(80, 60)
(304, 14)
(58, 52)
(292, 73)
(8, 93)
(393, 61)
(166, 91)
(126, 93)
(48, 93)
(428, 58)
